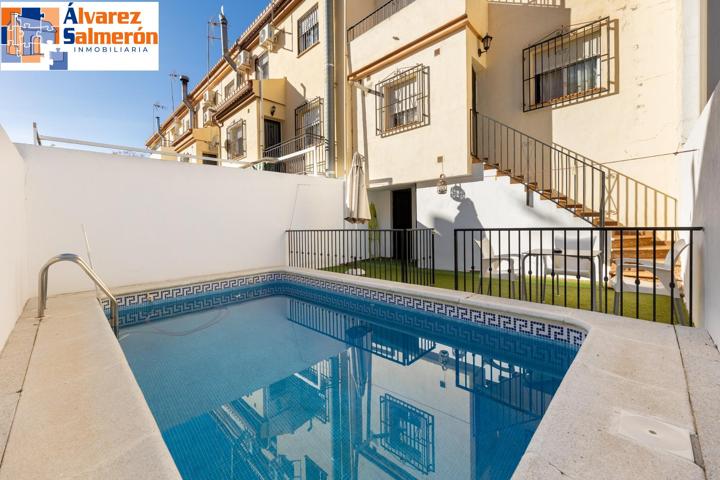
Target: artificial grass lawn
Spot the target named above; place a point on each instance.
(576, 297)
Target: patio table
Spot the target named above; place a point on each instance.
(542, 253)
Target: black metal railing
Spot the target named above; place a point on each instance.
(555, 174)
(630, 202)
(618, 270)
(399, 255)
(303, 154)
(384, 12)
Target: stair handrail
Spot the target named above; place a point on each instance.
(577, 162)
(77, 260)
(611, 171)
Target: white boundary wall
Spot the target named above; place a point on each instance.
(152, 220)
(699, 175)
(14, 290)
(147, 220)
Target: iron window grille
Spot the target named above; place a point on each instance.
(262, 67)
(236, 141)
(568, 67)
(308, 30)
(229, 89)
(404, 102)
(408, 433)
(309, 118)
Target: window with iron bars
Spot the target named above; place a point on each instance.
(404, 102)
(308, 30)
(308, 118)
(235, 143)
(229, 89)
(568, 67)
(262, 67)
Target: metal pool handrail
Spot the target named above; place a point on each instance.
(71, 257)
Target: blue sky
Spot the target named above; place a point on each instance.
(116, 107)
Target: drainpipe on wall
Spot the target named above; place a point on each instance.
(159, 132)
(184, 81)
(329, 88)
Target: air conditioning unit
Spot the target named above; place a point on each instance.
(210, 97)
(268, 36)
(245, 60)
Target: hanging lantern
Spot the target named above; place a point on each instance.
(442, 185)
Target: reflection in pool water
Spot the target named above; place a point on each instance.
(296, 383)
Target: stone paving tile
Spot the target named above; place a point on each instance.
(702, 364)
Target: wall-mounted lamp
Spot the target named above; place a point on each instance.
(272, 111)
(486, 41)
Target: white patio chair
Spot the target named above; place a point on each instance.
(569, 265)
(663, 274)
(493, 263)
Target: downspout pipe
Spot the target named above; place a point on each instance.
(329, 87)
(184, 81)
(225, 49)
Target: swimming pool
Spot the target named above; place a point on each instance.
(282, 376)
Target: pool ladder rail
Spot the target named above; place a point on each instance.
(71, 257)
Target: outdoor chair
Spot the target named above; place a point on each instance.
(496, 264)
(663, 275)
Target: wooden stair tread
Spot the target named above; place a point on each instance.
(586, 213)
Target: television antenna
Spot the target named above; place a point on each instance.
(173, 76)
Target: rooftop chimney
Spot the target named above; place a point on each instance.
(184, 81)
(225, 50)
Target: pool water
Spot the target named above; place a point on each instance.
(289, 382)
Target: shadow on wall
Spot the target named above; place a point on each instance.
(466, 217)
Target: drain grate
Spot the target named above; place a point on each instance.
(656, 434)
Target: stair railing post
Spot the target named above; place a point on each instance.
(602, 198)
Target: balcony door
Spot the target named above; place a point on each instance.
(402, 214)
(272, 134)
(272, 138)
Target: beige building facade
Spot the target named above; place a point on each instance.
(263, 104)
(509, 101)
(583, 103)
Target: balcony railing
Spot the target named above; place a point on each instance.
(384, 12)
(406, 256)
(304, 154)
(615, 270)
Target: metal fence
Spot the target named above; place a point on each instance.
(303, 154)
(399, 255)
(642, 273)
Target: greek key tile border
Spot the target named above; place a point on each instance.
(508, 322)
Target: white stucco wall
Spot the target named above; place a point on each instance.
(490, 203)
(699, 175)
(14, 290)
(149, 220)
(412, 155)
